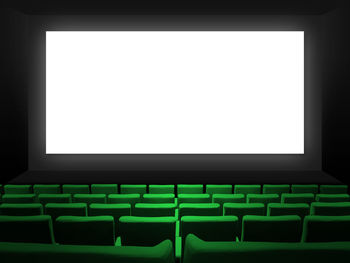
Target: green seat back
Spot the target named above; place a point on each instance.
(277, 209)
(158, 198)
(332, 198)
(191, 209)
(46, 189)
(263, 198)
(131, 199)
(54, 198)
(275, 189)
(161, 189)
(189, 189)
(154, 210)
(218, 189)
(19, 198)
(75, 189)
(333, 189)
(74, 209)
(330, 209)
(18, 189)
(133, 189)
(304, 189)
(21, 209)
(227, 198)
(193, 198)
(104, 189)
(297, 198)
(89, 198)
(247, 189)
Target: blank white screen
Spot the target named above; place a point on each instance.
(175, 92)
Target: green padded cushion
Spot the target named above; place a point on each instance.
(277, 209)
(75, 209)
(54, 198)
(46, 189)
(21, 209)
(104, 189)
(332, 198)
(86, 230)
(304, 188)
(154, 210)
(17, 189)
(31, 229)
(124, 199)
(227, 198)
(330, 209)
(158, 198)
(19, 198)
(333, 189)
(247, 189)
(297, 198)
(133, 188)
(263, 198)
(209, 209)
(189, 189)
(161, 189)
(89, 198)
(218, 189)
(146, 231)
(193, 198)
(326, 228)
(75, 189)
(271, 228)
(276, 188)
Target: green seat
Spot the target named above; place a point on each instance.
(89, 198)
(326, 228)
(46, 189)
(158, 198)
(26, 229)
(18, 189)
(263, 199)
(227, 198)
(333, 189)
(75, 189)
(332, 198)
(190, 209)
(92, 230)
(104, 189)
(276, 189)
(161, 189)
(154, 210)
(133, 189)
(75, 209)
(247, 189)
(21, 209)
(193, 198)
(297, 198)
(189, 189)
(271, 228)
(304, 188)
(19, 198)
(277, 209)
(218, 189)
(54, 198)
(330, 209)
(146, 231)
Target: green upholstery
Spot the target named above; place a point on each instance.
(156, 210)
(46, 189)
(199, 251)
(31, 229)
(227, 198)
(304, 189)
(1, 189)
(21, 209)
(218, 189)
(55, 209)
(54, 198)
(247, 189)
(263, 198)
(75, 189)
(86, 230)
(275, 189)
(158, 198)
(330, 209)
(89, 198)
(44, 253)
(297, 198)
(332, 198)
(104, 189)
(131, 199)
(326, 228)
(193, 198)
(333, 189)
(210, 209)
(189, 189)
(19, 198)
(161, 189)
(133, 189)
(271, 228)
(277, 209)
(18, 189)
(146, 231)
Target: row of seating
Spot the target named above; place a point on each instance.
(171, 189)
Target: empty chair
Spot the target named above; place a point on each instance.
(18, 189)
(131, 199)
(46, 189)
(158, 198)
(154, 210)
(271, 228)
(297, 198)
(75, 209)
(330, 209)
(133, 189)
(332, 198)
(218, 189)
(161, 189)
(146, 231)
(326, 228)
(89, 198)
(54, 198)
(75, 189)
(276, 189)
(333, 189)
(263, 198)
(104, 189)
(190, 209)
(21, 209)
(189, 189)
(304, 188)
(247, 189)
(277, 209)
(19, 198)
(193, 198)
(26, 229)
(227, 198)
(92, 230)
